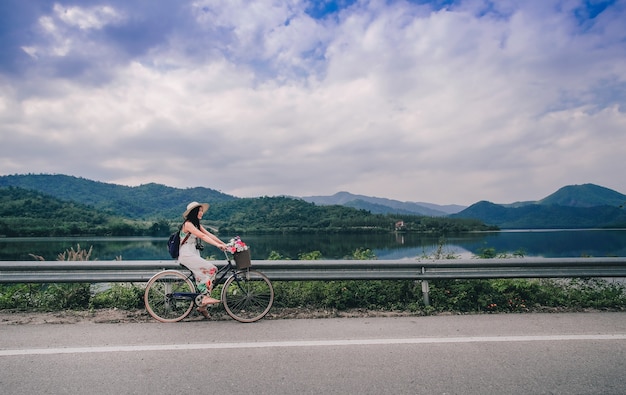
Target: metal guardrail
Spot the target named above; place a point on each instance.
(423, 270)
(141, 271)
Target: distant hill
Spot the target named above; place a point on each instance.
(29, 213)
(574, 206)
(586, 195)
(146, 201)
(26, 212)
(384, 206)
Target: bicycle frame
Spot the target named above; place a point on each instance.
(220, 277)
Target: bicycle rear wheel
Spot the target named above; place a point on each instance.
(247, 295)
(169, 296)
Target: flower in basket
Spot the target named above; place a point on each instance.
(236, 245)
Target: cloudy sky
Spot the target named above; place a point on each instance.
(447, 102)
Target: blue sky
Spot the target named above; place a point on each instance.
(447, 102)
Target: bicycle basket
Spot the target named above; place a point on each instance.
(242, 259)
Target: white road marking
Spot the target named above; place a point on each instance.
(308, 343)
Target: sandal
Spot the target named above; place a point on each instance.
(209, 300)
(204, 312)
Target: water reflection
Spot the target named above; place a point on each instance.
(575, 243)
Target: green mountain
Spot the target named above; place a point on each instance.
(59, 205)
(573, 207)
(285, 214)
(374, 208)
(586, 195)
(383, 205)
(27, 213)
(151, 209)
(30, 213)
(149, 201)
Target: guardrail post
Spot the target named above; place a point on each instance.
(425, 291)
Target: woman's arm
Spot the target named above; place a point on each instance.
(215, 240)
(203, 235)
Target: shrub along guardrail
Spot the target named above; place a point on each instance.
(296, 270)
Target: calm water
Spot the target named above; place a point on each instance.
(535, 243)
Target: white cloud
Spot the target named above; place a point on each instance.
(87, 18)
(503, 102)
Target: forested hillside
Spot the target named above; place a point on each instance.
(148, 201)
(152, 209)
(383, 205)
(282, 214)
(586, 195)
(30, 213)
(571, 207)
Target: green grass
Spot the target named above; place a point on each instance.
(457, 296)
(461, 296)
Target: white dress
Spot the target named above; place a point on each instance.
(204, 271)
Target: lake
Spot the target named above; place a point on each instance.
(532, 243)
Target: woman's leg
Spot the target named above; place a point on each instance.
(204, 272)
(206, 282)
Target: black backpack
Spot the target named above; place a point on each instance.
(173, 243)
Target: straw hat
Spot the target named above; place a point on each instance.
(192, 205)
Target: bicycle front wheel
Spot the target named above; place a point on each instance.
(247, 295)
(169, 296)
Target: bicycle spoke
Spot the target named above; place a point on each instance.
(167, 296)
(248, 296)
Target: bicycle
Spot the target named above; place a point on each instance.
(247, 295)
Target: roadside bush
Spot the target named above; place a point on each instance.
(66, 296)
(593, 293)
(520, 295)
(501, 295)
(18, 296)
(121, 296)
(464, 296)
(341, 295)
(48, 297)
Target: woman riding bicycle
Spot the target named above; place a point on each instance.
(192, 234)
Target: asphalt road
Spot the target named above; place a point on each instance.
(573, 353)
